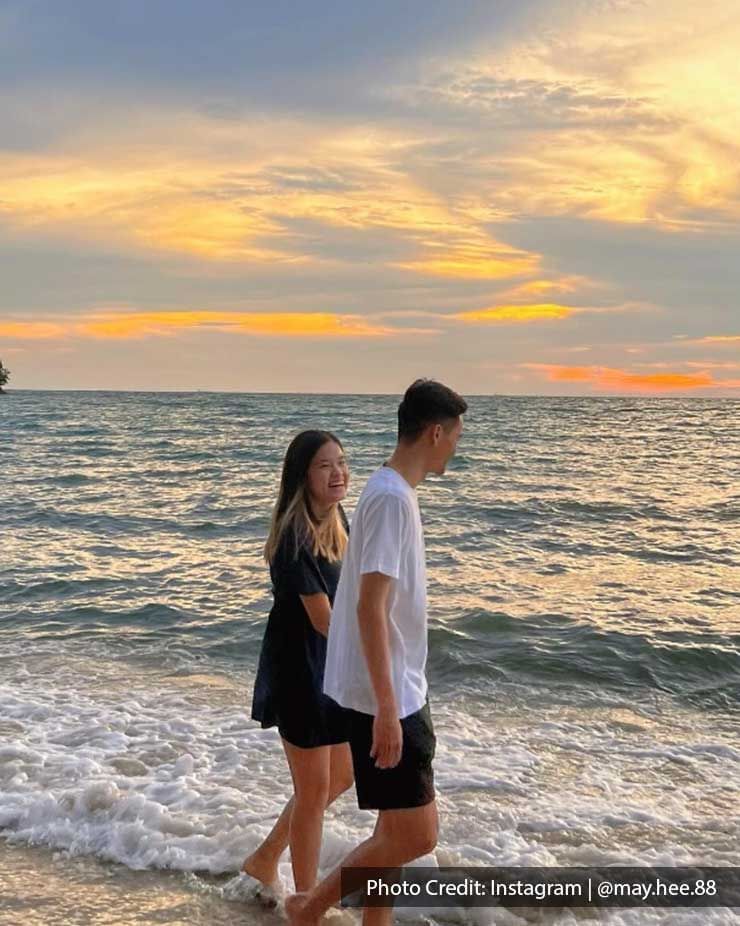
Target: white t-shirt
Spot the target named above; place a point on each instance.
(386, 536)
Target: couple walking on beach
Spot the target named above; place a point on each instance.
(342, 666)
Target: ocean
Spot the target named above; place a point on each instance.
(584, 628)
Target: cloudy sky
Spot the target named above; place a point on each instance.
(539, 196)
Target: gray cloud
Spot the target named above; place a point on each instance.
(286, 52)
(52, 276)
(481, 100)
(696, 278)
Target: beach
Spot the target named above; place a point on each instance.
(41, 887)
(584, 660)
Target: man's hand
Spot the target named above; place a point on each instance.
(387, 739)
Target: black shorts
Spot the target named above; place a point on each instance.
(310, 723)
(411, 782)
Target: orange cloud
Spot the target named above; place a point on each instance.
(120, 203)
(712, 365)
(632, 122)
(720, 339)
(31, 331)
(488, 260)
(504, 314)
(542, 287)
(568, 374)
(222, 209)
(280, 324)
(608, 378)
(123, 325)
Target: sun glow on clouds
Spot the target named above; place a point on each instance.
(31, 331)
(131, 205)
(226, 210)
(518, 313)
(122, 325)
(626, 381)
(627, 116)
(721, 340)
(542, 287)
(618, 112)
(484, 260)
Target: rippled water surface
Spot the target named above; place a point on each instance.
(592, 539)
(584, 599)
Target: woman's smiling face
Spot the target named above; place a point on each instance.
(328, 477)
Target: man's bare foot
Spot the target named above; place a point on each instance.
(295, 910)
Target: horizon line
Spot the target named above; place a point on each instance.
(483, 395)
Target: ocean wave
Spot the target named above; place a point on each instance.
(701, 667)
(101, 523)
(156, 769)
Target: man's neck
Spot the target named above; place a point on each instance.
(408, 465)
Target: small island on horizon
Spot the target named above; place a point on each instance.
(4, 377)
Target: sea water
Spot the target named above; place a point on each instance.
(584, 630)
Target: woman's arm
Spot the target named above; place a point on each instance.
(319, 611)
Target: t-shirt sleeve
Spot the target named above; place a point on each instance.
(300, 574)
(383, 530)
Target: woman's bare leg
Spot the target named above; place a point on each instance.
(262, 864)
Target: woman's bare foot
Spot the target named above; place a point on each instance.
(269, 890)
(265, 873)
(295, 910)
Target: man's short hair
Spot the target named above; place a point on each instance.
(427, 402)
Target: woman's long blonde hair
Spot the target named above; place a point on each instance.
(326, 537)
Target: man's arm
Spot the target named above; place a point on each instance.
(372, 615)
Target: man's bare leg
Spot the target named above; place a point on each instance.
(400, 836)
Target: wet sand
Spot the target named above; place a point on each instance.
(41, 887)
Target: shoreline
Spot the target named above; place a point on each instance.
(46, 887)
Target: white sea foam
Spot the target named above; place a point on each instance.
(156, 769)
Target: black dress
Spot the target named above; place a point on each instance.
(288, 690)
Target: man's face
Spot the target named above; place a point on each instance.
(445, 445)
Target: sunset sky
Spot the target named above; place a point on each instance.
(530, 197)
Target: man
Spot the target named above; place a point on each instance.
(377, 648)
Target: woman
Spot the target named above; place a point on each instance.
(307, 539)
